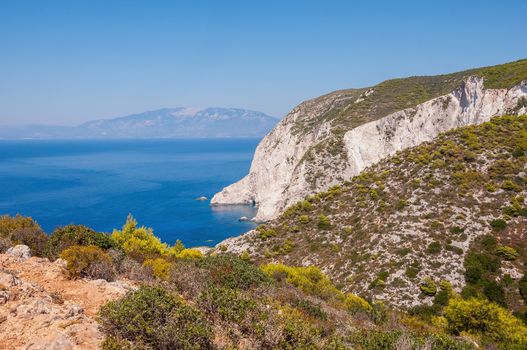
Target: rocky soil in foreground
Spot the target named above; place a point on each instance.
(40, 308)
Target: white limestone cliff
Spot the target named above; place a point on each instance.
(279, 171)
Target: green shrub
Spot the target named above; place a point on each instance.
(481, 317)
(33, 237)
(488, 242)
(151, 318)
(509, 185)
(380, 280)
(190, 253)
(522, 286)
(434, 248)
(309, 279)
(140, 242)
(160, 267)
(506, 252)
(323, 222)
(264, 232)
(428, 287)
(9, 224)
(498, 224)
(310, 308)
(229, 304)
(454, 249)
(457, 230)
(469, 291)
(230, 271)
(88, 261)
(426, 312)
(479, 264)
(490, 187)
(495, 292)
(412, 271)
(304, 219)
(297, 332)
(354, 303)
(75, 235)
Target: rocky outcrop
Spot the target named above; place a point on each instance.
(20, 251)
(285, 169)
(41, 309)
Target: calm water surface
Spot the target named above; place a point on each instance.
(97, 183)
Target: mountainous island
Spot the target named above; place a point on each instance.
(392, 217)
(162, 123)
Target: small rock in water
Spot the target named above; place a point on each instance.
(202, 198)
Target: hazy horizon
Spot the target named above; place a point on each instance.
(65, 63)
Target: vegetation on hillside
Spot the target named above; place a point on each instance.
(447, 215)
(222, 301)
(344, 110)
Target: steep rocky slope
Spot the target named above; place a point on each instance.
(41, 309)
(419, 214)
(332, 138)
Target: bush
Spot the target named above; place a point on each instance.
(498, 224)
(88, 261)
(479, 264)
(140, 242)
(9, 224)
(152, 318)
(297, 332)
(229, 304)
(412, 271)
(188, 279)
(428, 287)
(481, 317)
(323, 222)
(75, 235)
(5, 244)
(265, 233)
(33, 237)
(434, 248)
(457, 230)
(310, 308)
(309, 279)
(508, 185)
(506, 252)
(233, 272)
(304, 219)
(522, 286)
(495, 292)
(160, 267)
(190, 253)
(354, 303)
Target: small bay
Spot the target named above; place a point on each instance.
(98, 182)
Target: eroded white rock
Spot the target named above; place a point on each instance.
(278, 176)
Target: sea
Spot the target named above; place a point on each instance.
(97, 183)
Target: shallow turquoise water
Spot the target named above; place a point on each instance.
(97, 183)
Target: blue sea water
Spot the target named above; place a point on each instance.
(98, 182)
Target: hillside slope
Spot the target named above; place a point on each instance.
(330, 139)
(419, 214)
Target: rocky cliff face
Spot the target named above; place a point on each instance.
(430, 212)
(325, 141)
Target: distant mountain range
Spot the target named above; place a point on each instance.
(163, 123)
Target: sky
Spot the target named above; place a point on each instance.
(66, 62)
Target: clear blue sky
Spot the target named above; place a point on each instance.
(65, 62)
